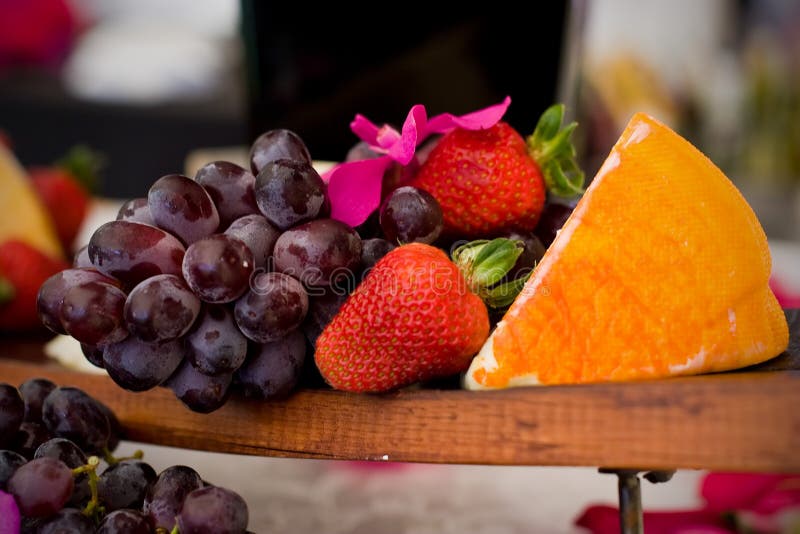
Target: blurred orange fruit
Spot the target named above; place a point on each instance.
(662, 269)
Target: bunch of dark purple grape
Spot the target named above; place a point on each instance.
(224, 282)
(58, 474)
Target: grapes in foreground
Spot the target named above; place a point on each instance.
(215, 345)
(125, 484)
(552, 219)
(321, 310)
(182, 207)
(124, 522)
(289, 192)
(230, 187)
(132, 252)
(277, 144)
(161, 308)
(374, 249)
(41, 487)
(218, 268)
(136, 210)
(272, 371)
(318, 253)
(51, 294)
(63, 490)
(28, 438)
(213, 509)
(70, 413)
(138, 366)
(411, 215)
(114, 427)
(165, 498)
(67, 521)
(258, 234)
(12, 412)
(91, 312)
(33, 393)
(275, 305)
(10, 461)
(200, 393)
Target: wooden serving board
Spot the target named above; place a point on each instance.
(748, 421)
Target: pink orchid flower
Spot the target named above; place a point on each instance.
(354, 188)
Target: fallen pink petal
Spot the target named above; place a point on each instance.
(9, 514)
(732, 503)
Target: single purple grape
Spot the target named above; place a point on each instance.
(92, 313)
(289, 192)
(258, 234)
(51, 294)
(136, 210)
(411, 215)
(161, 308)
(218, 268)
(132, 252)
(277, 144)
(275, 305)
(138, 366)
(182, 207)
(231, 188)
(216, 345)
(318, 253)
(41, 487)
(273, 369)
(199, 392)
(552, 219)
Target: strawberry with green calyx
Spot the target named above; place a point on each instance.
(65, 188)
(417, 316)
(491, 181)
(551, 148)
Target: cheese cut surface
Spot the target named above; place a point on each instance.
(22, 215)
(662, 269)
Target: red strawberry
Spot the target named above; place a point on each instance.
(65, 200)
(415, 317)
(22, 270)
(64, 189)
(492, 181)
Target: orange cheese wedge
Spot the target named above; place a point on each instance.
(661, 270)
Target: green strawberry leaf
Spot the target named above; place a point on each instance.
(484, 263)
(7, 291)
(552, 149)
(504, 294)
(84, 164)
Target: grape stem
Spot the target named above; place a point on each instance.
(175, 530)
(93, 507)
(113, 460)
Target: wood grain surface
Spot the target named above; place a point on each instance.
(735, 421)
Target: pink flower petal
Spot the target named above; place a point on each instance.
(9, 514)
(354, 189)
(477, 120)
(605, 520)
(786, 298)
(736, 491)
(402, 151)
(365, 130)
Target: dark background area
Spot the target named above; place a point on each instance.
(309, 74)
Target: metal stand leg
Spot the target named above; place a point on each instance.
(631, 518)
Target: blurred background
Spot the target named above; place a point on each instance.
(147, 84)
